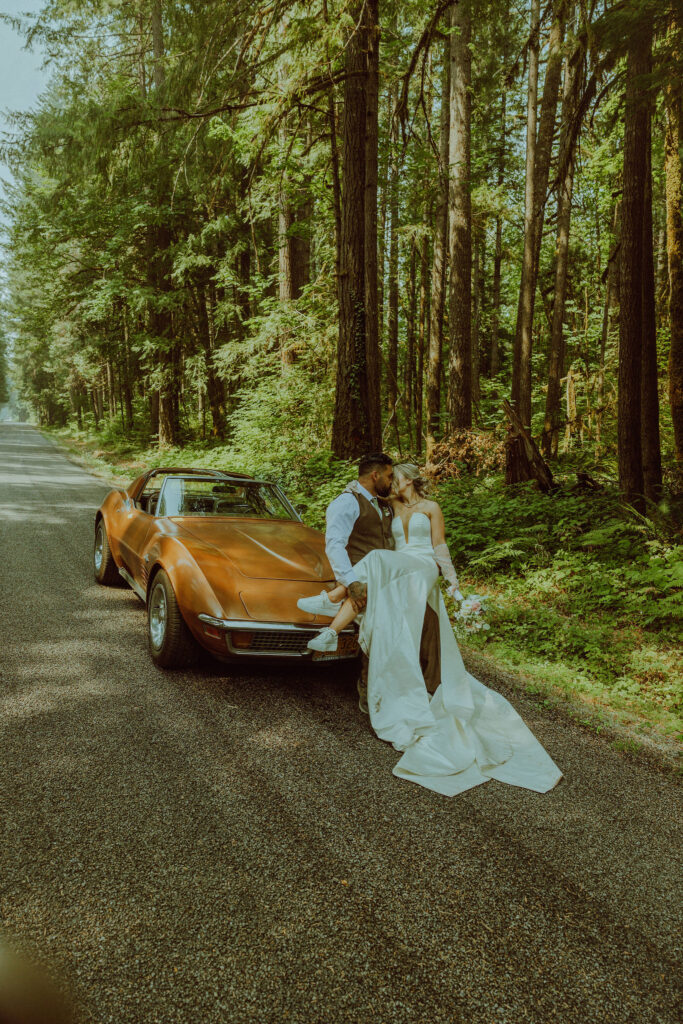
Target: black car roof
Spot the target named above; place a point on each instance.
(220, 474)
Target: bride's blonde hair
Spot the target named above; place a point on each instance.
(410, 471)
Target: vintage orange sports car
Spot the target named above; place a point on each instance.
(219, 560)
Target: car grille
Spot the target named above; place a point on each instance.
(287, 642)
(281, 640)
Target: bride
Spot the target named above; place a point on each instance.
(465, 734)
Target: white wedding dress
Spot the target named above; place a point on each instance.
(464, 734)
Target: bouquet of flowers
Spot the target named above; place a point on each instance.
(470, 614)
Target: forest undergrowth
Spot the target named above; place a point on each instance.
(584, 594)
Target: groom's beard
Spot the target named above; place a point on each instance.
(383, 490)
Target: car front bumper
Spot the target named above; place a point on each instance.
(245, 638)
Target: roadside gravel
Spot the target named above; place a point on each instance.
(213, 847)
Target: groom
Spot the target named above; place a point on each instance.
(358, 521)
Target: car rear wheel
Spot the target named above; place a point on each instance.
(170, 642)
(106, 571)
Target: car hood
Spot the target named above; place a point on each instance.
(260, 549)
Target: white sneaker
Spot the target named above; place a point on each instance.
(319, 605)
(326, 640)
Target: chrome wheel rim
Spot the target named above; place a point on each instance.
(157, 616)
(99, 548)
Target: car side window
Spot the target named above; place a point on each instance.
(172, 497)
(147, 500)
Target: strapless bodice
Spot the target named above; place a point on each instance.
(419, 529)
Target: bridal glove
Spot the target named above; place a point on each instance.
(443, 560)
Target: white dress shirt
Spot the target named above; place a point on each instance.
(341, 517)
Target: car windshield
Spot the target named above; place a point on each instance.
(193, 496)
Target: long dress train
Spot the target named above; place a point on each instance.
(466, 733)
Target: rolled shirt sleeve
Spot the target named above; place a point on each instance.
(341, 517)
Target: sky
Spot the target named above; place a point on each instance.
(21, 79)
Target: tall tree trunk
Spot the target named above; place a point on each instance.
(649, 392)
(674, 240)
(411, 316)
(370, 225)
(382, 239)
(631, 310)
(460, 223)
(546, 126)
(423, 331)
(160, 318)
(285, 280)
(516, 465)
(111, 394)
(494, 361)
(285, 219)
(477, 307)
(539, 151)
(392, 311)
(564, 209)
(662, 272)
(215, 391)
(436, 309)
(611, 302)
(525, 309)
(301, 248)
(334, 160)
(351, 423)
(127, 376)
(336, 182)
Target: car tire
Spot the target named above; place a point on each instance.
(170, 642)
(105, 568)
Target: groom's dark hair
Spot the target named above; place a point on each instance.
(376, 460)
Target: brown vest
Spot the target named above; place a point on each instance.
(369, 531)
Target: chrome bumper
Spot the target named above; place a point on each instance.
(279, 639)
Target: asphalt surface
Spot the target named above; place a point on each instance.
(214, 847)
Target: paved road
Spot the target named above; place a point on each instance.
(205, 847)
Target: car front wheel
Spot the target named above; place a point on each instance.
(170, 642)
(106, 571)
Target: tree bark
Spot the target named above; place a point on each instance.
(392, 309)
(494, 359)
(460, 223)
(285, 280)
(436, 309)
(351, 424)
(564, 209)
(539, 149)
(516, 465)
(477, 307)
(411, 337)
(649, 392)
(215, 392)
(370, 218)
(631, 310)
(285, 219)
(423, 331)
(160, 318)
(334, 161)
(126, 368)
(525, 308)
(611, 302)
(674, 239)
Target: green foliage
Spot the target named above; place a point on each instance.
(580, 582)
(4, 379)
